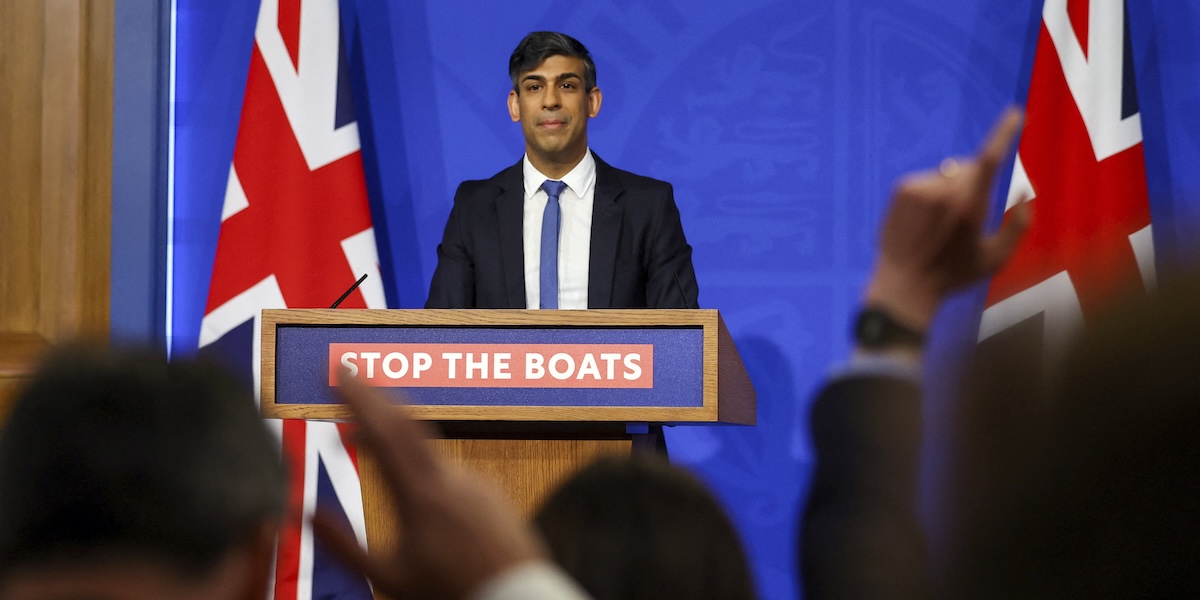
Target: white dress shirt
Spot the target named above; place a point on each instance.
(574, 239)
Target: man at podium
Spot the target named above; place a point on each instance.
(561, 228)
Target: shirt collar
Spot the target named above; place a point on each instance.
(580, 179)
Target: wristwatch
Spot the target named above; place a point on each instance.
(875, 329)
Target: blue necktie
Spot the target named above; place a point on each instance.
(548, 277)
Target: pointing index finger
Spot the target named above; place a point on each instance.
(998, 142)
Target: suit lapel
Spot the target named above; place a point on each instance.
(510, 206)
(606, 233)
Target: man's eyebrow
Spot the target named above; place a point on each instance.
(560, 77)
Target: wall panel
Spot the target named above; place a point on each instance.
(55, 162)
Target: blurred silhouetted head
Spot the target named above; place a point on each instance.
(639, 528)
(1105, 506)
(119, 468)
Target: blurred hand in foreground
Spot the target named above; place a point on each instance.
(457, 531)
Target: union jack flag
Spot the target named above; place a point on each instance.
(295, 232)
(1080, 162)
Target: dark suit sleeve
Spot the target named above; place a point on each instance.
(860, 535)
(670, 277)
(453, 284)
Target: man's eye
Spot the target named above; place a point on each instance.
(533, 87)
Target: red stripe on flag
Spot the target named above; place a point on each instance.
(289, 28)
(1077, 10)
(287, 560)
(346, 431)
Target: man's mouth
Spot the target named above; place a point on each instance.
(552, 123)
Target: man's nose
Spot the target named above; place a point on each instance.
(551, 99)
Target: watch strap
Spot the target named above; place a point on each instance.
(876, 329)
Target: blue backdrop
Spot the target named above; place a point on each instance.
(782, 125)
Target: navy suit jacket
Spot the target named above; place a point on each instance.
(639, 257)
(860, 536)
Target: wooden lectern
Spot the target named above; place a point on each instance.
(525, 397)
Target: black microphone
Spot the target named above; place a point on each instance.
(352, 288)
(682, 295)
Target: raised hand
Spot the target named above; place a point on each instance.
(457, 531)
(933, 240)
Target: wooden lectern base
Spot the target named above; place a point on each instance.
(526, 442)
(525, 469)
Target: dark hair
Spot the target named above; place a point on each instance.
(117, 453)
(638, 528)
(1105, 506)
(540, 45)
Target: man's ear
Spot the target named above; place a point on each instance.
(514, 106)
(594, 99)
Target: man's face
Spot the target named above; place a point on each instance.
(553, 107)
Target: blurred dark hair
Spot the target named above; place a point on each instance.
(1104, 506)
(117, 453)
(639, 529)
(540, 45)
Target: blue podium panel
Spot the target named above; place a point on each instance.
(497, 365)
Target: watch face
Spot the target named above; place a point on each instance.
(876, 329)
(872, 327)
